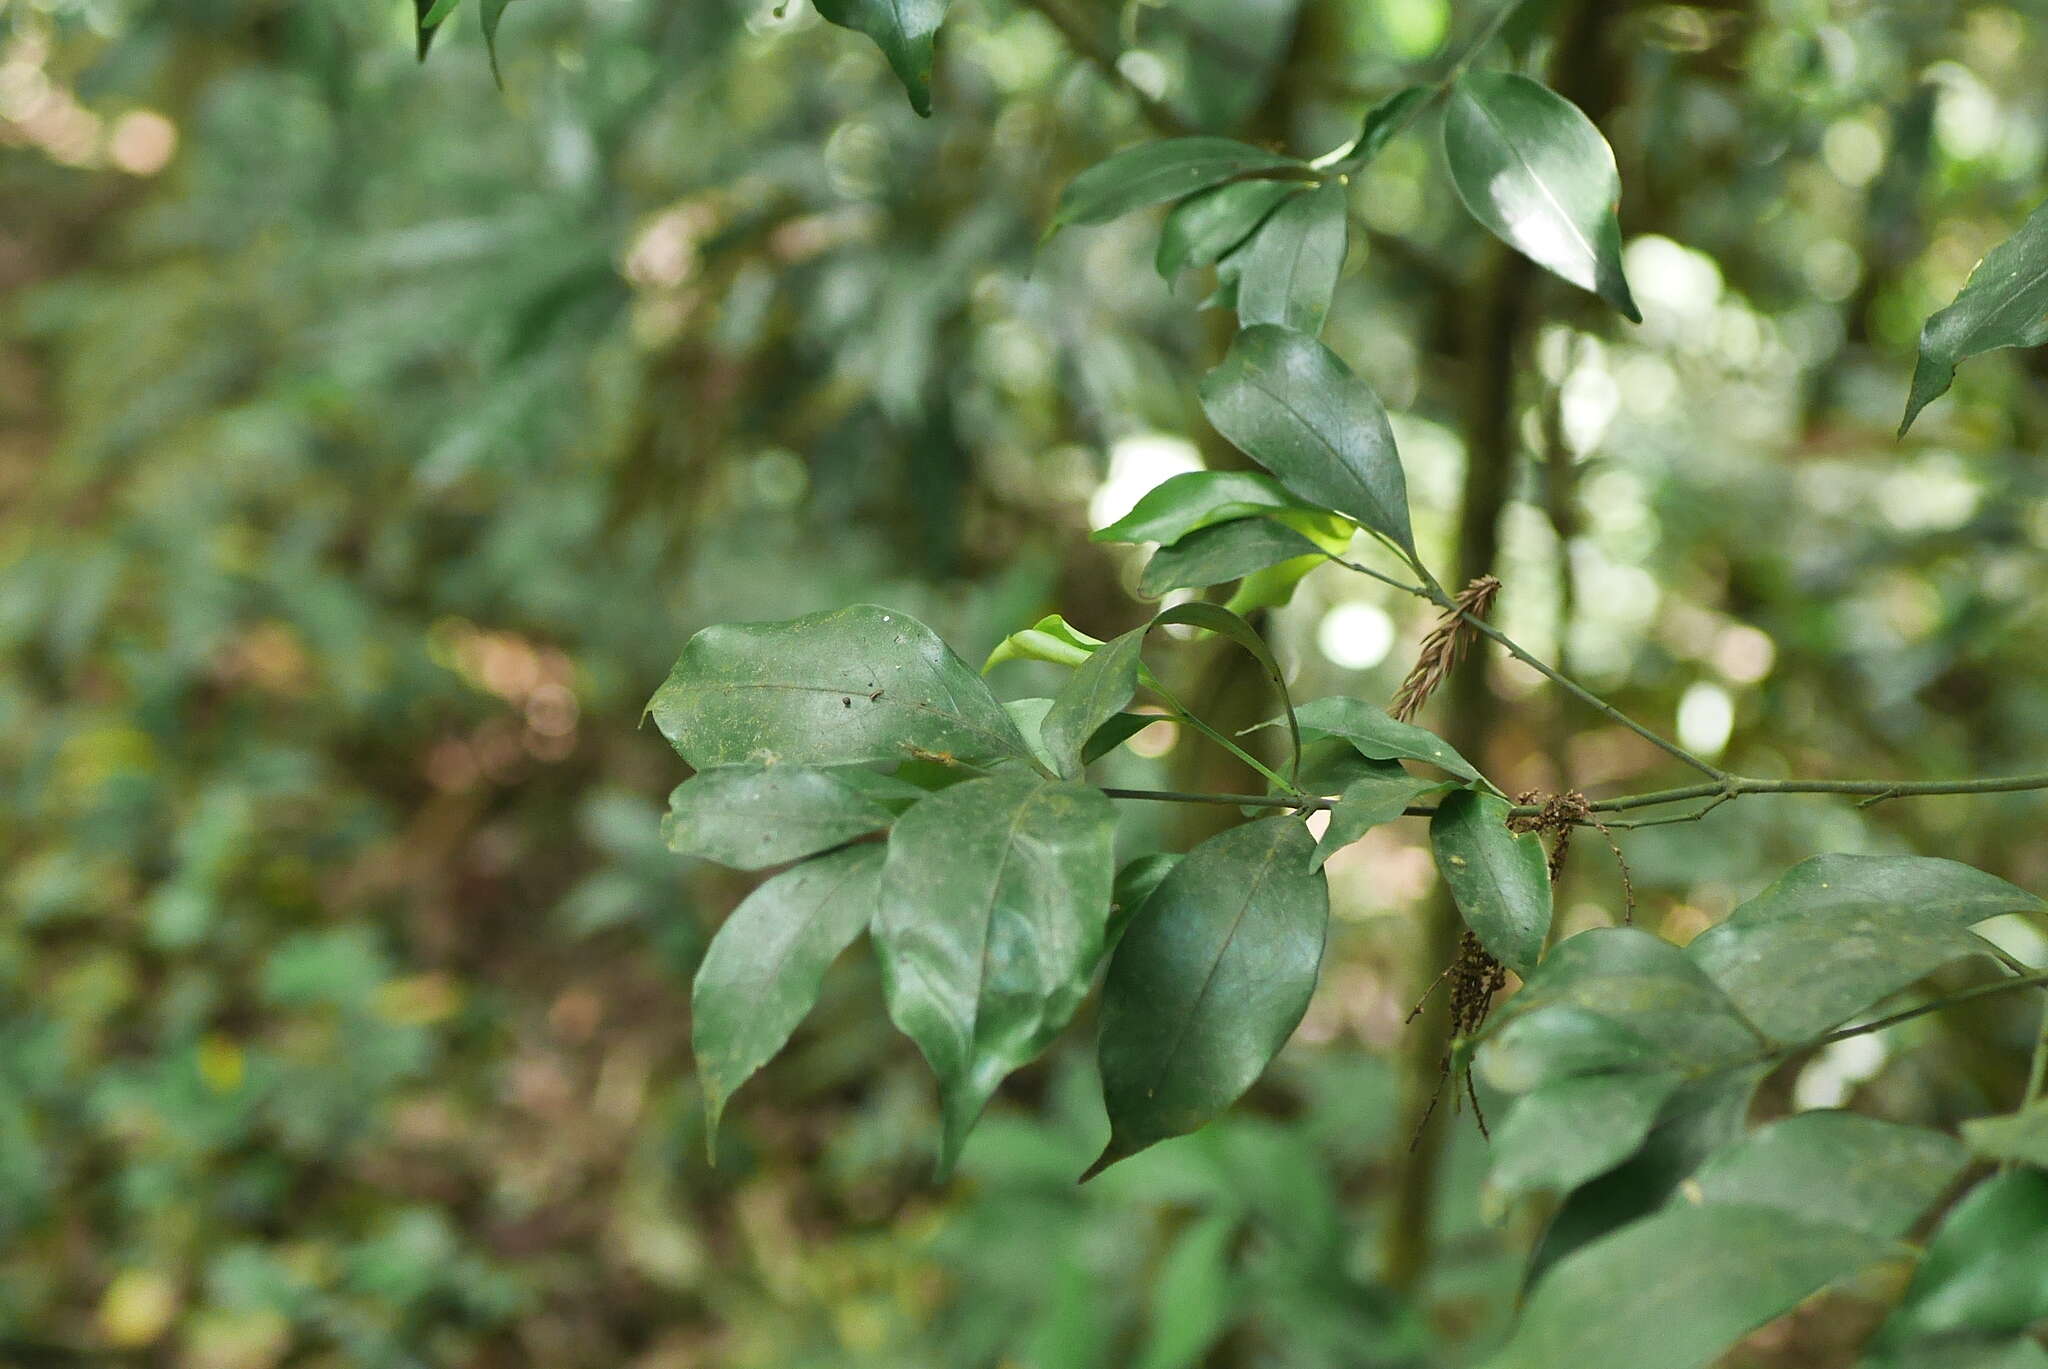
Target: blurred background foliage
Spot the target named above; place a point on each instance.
(371, 439)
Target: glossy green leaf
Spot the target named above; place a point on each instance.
(1210, 979)
(1167, 170)
(2003, 304)
(1292, 405)
(905, 30)
(1375, 735)
(1875, 1176)
(853, 685)
(1224, 623)
(761, 973)
(1532, 168)
(1878, 923)
(2021, 1136)
(1195, 500)
(1227, 551)
(1676, 1289)
(753, 816)
(1564, 1133)
(1135, 883)
(1202, 229)
(1369, 801)
(1288, 271)
(990, 923)
(1097, 691)
(1986, 1267)
(1499, 879)
(1382, 122)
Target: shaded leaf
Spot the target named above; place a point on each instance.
(1877, 923)
(1135, 883)
(1097, 691)
(1382, 122)
(1193, 1295)
(1195, 500)
(1288, 271)
(428, 16)
(761, 973)
(989, 925)
(1986, 1267)
(1532, 168)
(1153, 172)
(1876, 1177)
(1227, 551)
(1289, 403)
(1202, 229)
(489, 14)
(2003, 304)
(1224, 623)
(905, 31)
(754, 816)
(1210, 979)
(2021, 1136)
(1564, 1133)
(1499, 879)
(1369, 801)
(1029, 715)
(853, 685)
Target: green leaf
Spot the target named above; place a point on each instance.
(1029, 715)
(1224, 623)
(1986, 1268)
(1195, 500)
(1499, 879)
(905, 31)
(854, 685)
(1167, 170)
(990, 924)
(1292, 405)
(1532, 168)
(1193, 1295)
(1210, 979)
(1564, 1133)
(1676, 1289)
(1382, 122)
(1202, 229)
(1369, 801)
(2021, 1136)
(1379, 737)
(1120, 728)
(1096, 692)
(1135, 883)
(1878, 923)
(489, 14)
(428, 16)
(1836, 1167)
(761, 973)
(1227, 551)
(753, 816)
(1288, 271)
(2003, 304)
(1052, 639)
(1273, 586)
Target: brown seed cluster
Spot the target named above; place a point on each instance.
(1443, 647)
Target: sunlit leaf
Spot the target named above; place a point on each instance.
(754, 816)
(1290, 404)
(1153, 172)
(1532, 168)
(1210, 979)
(1499, 878)
(2003, 304)
(1195, 500)
(1052, 639)
(905, 31)
(762, 971)
(1288, 271)
(990, 923)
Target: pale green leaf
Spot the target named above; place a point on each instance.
(1875, 1176)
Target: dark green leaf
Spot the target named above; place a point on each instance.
(1564, 1133)
(1227, 551)
(1154, 172)
(753, 816)
(1203, 228)
(763, 968)
(1676, 1289)
(489, 14)
(1379, 737)
(1533, 169)
(2003, 304)
(1293, 406)
(1119, 729)
(905, 31)
(1369, 801)
(428, 16)
(854, 685)
(2021, 1136)
(1382, 122)
(1877, 1177)
(1210, 979)
(1199, 499)
(1224, 623)
(1135, 883)
(1288, 271)
(1096, 692)
(990, 923)
(1877, 923)
(1499, 879)
(1986, 1268)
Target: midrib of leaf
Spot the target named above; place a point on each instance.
(1254, 377)
(1529, 170)
(1223, 949)
(988, 919)
(1998, 311)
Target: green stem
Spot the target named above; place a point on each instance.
(1181, 713)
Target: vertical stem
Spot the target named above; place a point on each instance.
(2037, 1075)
